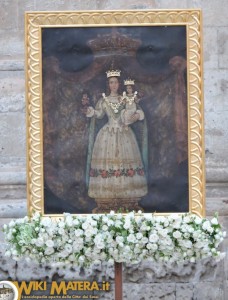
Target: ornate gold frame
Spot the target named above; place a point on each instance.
(34, 21)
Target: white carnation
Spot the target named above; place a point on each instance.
(49, 251)
(177, 234)
(214, 221)
(139, 235)
(46, 222)
(49, 243)
(153, 238)
(131, 238)
(69, 221)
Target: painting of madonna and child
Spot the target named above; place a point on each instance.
(115, 124)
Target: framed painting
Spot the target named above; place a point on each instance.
(115, 112)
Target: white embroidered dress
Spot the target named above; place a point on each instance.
(116, 166)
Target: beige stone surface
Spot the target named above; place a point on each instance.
(16, 208)
(12, 192)
(15, 176)
(209, 291)
(225, 248)
(215, 93)
(206, 270)
(214, 12)
(144, 291)
(12, 65)
(42, 5)
(210, 46)
(223, 50)
(128, 4)
(184, 291)
(12, 44)
(24, 6)
(12, 91)
(219, 205)
(216, 190)
(8, 14)
(13, 134)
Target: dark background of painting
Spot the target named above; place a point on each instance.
(72, 65)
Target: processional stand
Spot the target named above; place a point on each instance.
(118, 281)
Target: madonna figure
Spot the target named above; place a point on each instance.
(116, 170)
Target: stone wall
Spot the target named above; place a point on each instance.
(201, 281)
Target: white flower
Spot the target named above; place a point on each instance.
(85, 225)
(75, 222)
(177, 234)
(11, 223)
(38, 236)
(163, 232)
(64, 253)
(9, 236)
(186, 243)
(160, 219)
(152, 247)
(78, 245)
(68, 248)
(78, 232)
(49, 251)
(49, 243)
(40, 242)
(61, 231)
(153, 238)
(199, 244)
(69, 221)
(196, 234)
(8, 253)
(222, 255)
(139, 235)
(131, 238)
(61, 224)
(119, 239)
(119, 216)
(214, 221)
(14, 252)
(186, 219)
(105, 227)
(174, 217)
(46, 222)
(144, 240)
(177, 224)
(127, 224)
(206, 225)
(198, 220)
(190, 229)
(118, 223)
(192, 259)
(100, 245)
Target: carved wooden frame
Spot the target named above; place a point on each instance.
(34, 21)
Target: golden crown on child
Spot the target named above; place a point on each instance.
(113, 73)
(129, 82)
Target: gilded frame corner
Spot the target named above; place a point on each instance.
(34, 21)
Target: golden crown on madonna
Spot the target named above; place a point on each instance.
(129, 82)
(113, 73)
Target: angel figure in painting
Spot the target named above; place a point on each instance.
(116, 170)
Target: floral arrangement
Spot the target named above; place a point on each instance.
(129, 238)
